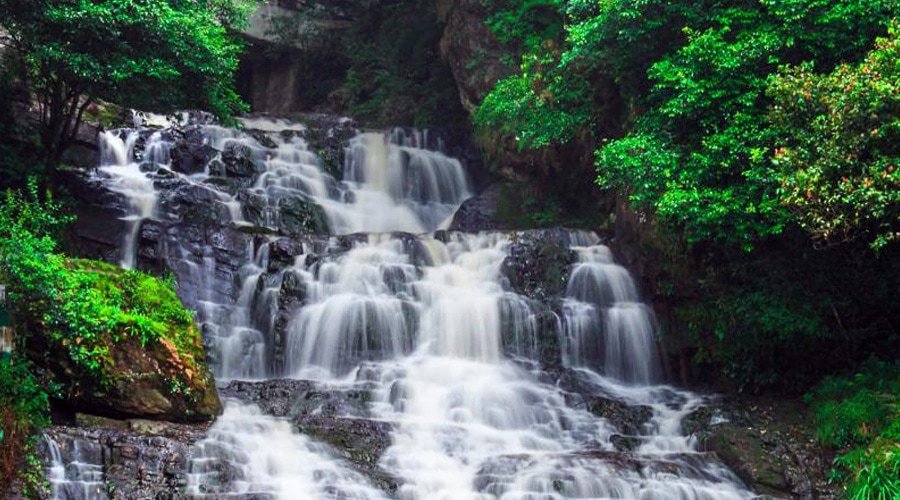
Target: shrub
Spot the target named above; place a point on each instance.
(24, 410)
(859, 415)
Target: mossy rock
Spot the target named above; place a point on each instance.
(121, 344)
(744, 452)
(538, 264)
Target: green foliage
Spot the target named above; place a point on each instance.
(83, 307)
(31, 212)
(700, 150)
(146, 54)
(17, 149)
(760, 329)
(739, 134)
(860, 416)
(23, 394)
(532, 113)
(839, 146)
(24, 410)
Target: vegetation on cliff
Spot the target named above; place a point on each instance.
(757, 145)
(748, 135)
(24, 411)
(108, 340)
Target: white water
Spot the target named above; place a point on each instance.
(75, 478)
(606, 326)
(429, 327)
(248, 453)
(127, 179)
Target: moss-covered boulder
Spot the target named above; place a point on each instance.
(117, 342)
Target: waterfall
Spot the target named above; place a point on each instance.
(422, 320)
(74, 477)
(606, 326)
(127, 179)
(251, 455)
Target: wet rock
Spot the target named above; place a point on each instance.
(481, 212)
(330, 402)
(328, 136)
(698, 423)
(274, 397)
(493, 477)
(283, 252)
(538, 264)
(299, 216)
(475, 55)
(195, 204)
(332, 415)
(746, 456)
(769, 444)
(629, 419)
(300, 399)
(530, 330)
(136, 461)
(361, 442)
(237, 160)
(191, 154)
(98, 229)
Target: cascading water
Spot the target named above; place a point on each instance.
(79, 478)
(606, 326)
(261, 456)
(423, 321)
(127, 179)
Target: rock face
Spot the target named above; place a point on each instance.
(146, 383)
(336, 416)
(126, 459)
(538, 264)
(481, 212)
(767, 443)
(474, 53)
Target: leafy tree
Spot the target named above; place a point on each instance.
(699, 144)
(148, 54)
(838, 146)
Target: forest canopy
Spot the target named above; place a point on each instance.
(741, 117)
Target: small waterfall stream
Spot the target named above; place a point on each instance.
(421, 319)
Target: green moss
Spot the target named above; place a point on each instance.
(141, 307)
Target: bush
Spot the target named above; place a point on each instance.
(24, 411)
(860, 417)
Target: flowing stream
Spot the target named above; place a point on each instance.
(422, 319)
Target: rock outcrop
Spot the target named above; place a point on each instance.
(473, 52)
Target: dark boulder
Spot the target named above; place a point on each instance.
(237, 160)
(538, 263)
(191, 154)
(481, 212)
(299, 216)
